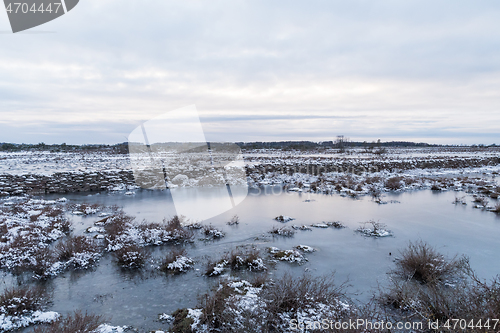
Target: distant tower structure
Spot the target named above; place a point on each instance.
(340, 143)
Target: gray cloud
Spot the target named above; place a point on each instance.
(417, 70)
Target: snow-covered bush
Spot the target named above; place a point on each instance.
(131, 256)
(176, 262)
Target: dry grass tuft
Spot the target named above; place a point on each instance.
(467, 299)
(214, 268)
(423, 263)
(116, 225)
(26, 256)
(236, 260)
(212, 232)
(249, 259)
(73, 247)
(78, 252)
(75, 323)
(481, 201)
(394, 183)
(131, 256)
(496, 209)
(278, 299)
(234, 220)
(176, 262)
(178, 232)
(289, 293)
(22, 300)
(282, 231)
(181, 324)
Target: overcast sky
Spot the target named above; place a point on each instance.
(426, 71)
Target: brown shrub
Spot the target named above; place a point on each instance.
(336, 224)
(40, 263)
(154, 233)
(18, 208)
(286, 295)
(178, 232)
(375, 192)
(171, 257)
(24, 254)
(496, 209)
(174, 223)
(467, 299)
(282, 231)
(259, 280)
(18, 301)
(481, 201)
(393, 183)
(212, 232)
(4, 230)
(181, 323)
(423, 263)
(214, 308)
(249, 259)
(51, 211)
(435, 187)
(408, 181)
(117, 224)
(73, 246)
(75, 323)
(234, 220)
(278, 302)
(371, 180)
(214, 268)
(131, 256)
(482, 299)
(289, 293)
(61, 224)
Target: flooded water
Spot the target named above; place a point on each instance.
(137, 299)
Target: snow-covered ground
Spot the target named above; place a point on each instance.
(48, 163)
(32, 229)
(324, 171)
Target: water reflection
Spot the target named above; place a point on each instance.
(137, 299)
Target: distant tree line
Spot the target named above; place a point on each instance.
(341, 143)
(120, 148)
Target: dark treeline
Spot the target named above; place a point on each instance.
(306, 145)
(122, 148)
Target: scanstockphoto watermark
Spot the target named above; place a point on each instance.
(26, 14)
(353, 324)
(171, 151)
(451, 325)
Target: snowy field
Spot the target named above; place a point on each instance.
(47, 163)
(306, 213)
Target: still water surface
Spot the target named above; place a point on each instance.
(136, 299)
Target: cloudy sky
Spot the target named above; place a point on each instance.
(259, 70)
